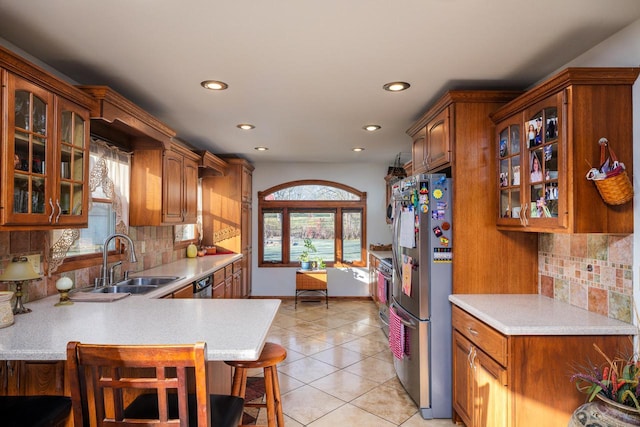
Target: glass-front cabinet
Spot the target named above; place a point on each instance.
(545, 142)
(531, 185)
(47, 153)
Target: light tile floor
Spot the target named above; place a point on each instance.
(339, 370)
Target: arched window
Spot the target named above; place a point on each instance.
(331, 214)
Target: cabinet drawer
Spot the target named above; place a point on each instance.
(483, 336)
(228, 270)
(218, 276)
(237, 266)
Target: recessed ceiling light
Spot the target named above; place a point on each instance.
(357, 149)
(214, 85)
(245, 126)
(371, 128)
(261, 148)
(396, 86)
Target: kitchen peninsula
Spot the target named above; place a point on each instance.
(33, 349)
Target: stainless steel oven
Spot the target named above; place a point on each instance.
(202, 288)
(385, 283)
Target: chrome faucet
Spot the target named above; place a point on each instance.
(106, 280)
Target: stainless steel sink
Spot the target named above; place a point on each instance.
(148, 281)
(124, 289)
(137, 285)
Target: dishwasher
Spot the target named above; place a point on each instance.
(202, 288)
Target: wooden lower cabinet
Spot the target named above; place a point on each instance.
(184, 293)
(32, 378)
(519, 380)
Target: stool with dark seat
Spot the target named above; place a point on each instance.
(133, 385)
(271, 355)
(34, 411)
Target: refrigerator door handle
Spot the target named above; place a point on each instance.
(406, 323)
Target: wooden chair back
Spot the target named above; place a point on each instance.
(104, 379)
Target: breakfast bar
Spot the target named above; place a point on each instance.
(234, 329)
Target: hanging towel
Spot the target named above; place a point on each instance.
(396, 335)
(382, 288)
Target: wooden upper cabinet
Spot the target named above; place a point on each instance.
(431, 149)
(438, 141)
(419, 150)
(164, 186)
(547, 139)
(45, 143)
(164, 171)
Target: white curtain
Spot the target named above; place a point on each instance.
(109, 169)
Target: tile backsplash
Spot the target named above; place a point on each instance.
(590, 271)
(154, 246)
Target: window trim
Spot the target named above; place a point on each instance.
(337, 207)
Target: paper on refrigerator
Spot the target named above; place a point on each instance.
(407, 236)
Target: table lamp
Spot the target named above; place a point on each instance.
(19, 271)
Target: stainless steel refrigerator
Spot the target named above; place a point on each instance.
(420, 314)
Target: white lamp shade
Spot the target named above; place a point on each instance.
(18, 270)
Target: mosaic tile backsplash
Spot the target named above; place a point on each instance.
(590, 271)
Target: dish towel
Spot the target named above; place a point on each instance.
(396, 335)
(382, 288)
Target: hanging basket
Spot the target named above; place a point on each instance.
(397, 169)
(611, 178)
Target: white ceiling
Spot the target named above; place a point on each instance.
(308, 74)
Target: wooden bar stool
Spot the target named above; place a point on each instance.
(271, 355)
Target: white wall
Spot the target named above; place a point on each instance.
(623, 50)
(364, 177)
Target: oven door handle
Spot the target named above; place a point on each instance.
(382, 319)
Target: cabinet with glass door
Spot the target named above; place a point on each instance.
(530, 184)
(47, 147)
(546, 141)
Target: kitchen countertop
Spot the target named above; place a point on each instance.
(381, 254)
(234, 329)
(189, 269)
(538, 315)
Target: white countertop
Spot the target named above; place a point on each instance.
(538, 315)
(189, 269)
(381, 254)
(234, 329)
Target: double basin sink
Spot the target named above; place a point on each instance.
(137, 285)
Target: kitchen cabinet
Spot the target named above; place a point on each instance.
(168, 177)
(32, 378)
(184, 293)
(472, 168)
(45, 142)
(226, 214)
(164, 170)
(545, 142)
(518, 380)
(431, 148)
(237, 279)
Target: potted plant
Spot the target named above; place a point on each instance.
(615, 384)
(305, 257)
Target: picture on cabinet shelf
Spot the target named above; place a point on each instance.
(504, 181)
(516, 175)
(552, 129)
(536, 170)
(534, 132)
(503, 147)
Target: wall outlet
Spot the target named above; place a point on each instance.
(35, 262)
